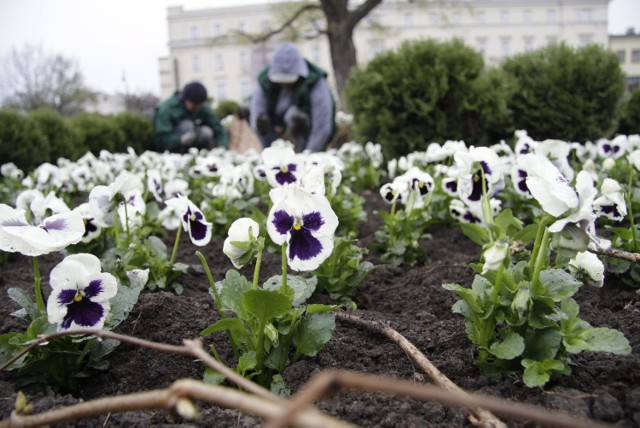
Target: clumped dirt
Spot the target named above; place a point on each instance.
(603, 387)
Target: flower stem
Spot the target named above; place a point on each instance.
(540, 259)
(175, 246)
(542, 227)
(126, 220)
(37, 286)
(218, 301)
(630, 211)
(285, 286)
(256, 270)
(495, 292)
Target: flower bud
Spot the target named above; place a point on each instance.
(494, 256)
(237, 246)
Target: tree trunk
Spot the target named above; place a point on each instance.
(343, 58)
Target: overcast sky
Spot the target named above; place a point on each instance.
(115, 38)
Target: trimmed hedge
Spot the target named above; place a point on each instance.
(427, 91)
(226, 108)
(566, 93)
(137, 131)
(21, 141)
(630, 115)
(62, 138)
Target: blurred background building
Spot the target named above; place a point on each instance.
(206, 45)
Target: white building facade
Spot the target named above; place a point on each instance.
(627, 48)
(200, 49)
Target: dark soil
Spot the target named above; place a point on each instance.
(603, 387)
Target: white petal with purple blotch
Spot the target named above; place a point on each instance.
(548, 186)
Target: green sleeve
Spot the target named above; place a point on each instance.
(163, 136)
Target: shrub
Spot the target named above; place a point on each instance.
(630, 114)
(225, 108)
(137, 132)
(566, 93)
(426, 91)
(21, 141)
(98, 132)
(63, 138)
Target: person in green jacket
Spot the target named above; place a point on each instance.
(185, 120)
(292, 99)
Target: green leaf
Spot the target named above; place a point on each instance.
(558, 284)
(603, 339)
(121, 305)
(235, 325)
(467, 294)
(507, 223)
(543, 344)
(537, 373)
(313, 332)
(302, 288)
(279, 387)
(511, 347)
(526, 234)
(212, 377)
(265, 305)
(246, 362)
(233, 287)
(474, 232)
(317, 307)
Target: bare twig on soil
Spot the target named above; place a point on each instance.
(477, 416)
(177, 399)
(618, 254)
(328, 381)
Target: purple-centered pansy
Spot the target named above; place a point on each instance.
(281, 165)
(193, 220)
(478, 169)
(80, 293)
(472, 213)
(611, 203)
(54, 233)
(615, 148)
(305, 222)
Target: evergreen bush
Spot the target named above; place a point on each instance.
(566, 93)
(98, 132)
(137, 131)
(63, 139)
(225, 108)
(427, 91)
(21, 141)
(630, 114)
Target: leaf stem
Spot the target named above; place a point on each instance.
(256, 270)
(38, 286)
(540, 259)
(630, 211)
(175, 246)
(285, 286)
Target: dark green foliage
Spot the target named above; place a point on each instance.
(137, 131)
(225, 108)
(630, 114)
(63, 139)
(426, 91)
(566, 93)
(21, 141)
(98, 132)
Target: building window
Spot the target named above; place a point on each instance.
(216, 30)
(635, 56)
(585, 39)
(481, 44)
(194, 32)
(245, 89)
(243, 61)
(196, 66)
(505, 46)
(219, 61)
(527, 42)
(622, 56)
(408, 19)
(551, 15)
(481, 17)
(504, 16)
(221, 91)
(433, 19)
(584, 15)
(527, 16)
(315, 54)
(375, 47)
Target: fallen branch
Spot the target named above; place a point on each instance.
(477, 416)
(618, 254)
(177, 399)
(331, 380)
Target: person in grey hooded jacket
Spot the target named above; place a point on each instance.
(292, 97)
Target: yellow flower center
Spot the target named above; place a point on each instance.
(297, 226)
(476, 178)
(284, 169)
(192, 218)
(78, 297)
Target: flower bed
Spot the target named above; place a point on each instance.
(602, 386)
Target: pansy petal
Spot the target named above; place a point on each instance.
(100, 287)
(72, 271)
(306, 252)
(84, 314)
(279, 224)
